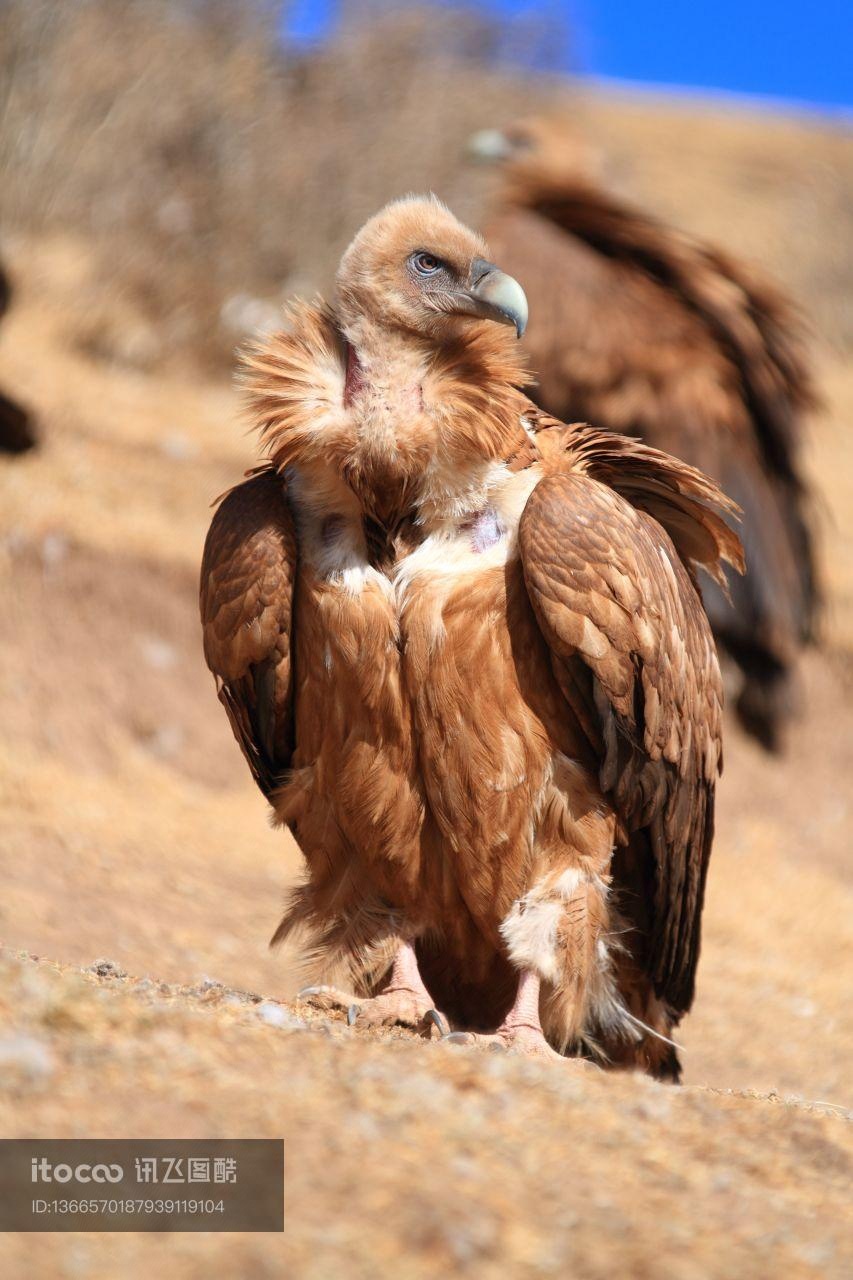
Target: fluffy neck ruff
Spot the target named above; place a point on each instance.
(393, 414)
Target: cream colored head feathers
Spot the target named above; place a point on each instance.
(415, 267)
(417, 358)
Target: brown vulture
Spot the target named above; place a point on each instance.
(461, 647)
(642, 330)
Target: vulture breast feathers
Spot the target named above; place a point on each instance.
(642, 330)
(461, 647)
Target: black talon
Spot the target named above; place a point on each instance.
(352, 1014)
(433, 1016)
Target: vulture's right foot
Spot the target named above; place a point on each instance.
(395, 1006)
(405, 1000)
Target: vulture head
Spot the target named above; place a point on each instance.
(414, 267)
(538, 147)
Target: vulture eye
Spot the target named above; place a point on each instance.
(426, 264)
(518, 140)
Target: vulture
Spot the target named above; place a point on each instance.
(641, 330)
(17, 429)
(463, 651)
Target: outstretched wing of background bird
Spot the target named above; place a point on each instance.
(609, 544)
(247, 579)
(643, 331)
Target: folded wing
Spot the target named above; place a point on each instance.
(609, 544)
(247, 580)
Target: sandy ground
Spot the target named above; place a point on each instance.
(129, 830)
(410, 1159)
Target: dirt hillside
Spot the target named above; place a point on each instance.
(129, 831)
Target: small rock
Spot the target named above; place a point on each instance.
(107, 969)
(30, 1056)
(178, 447)
(275, 1016)
(175, 215)
(818, 1253)
(166, 741)
(54, 549)
(242, 313)
(157, 653)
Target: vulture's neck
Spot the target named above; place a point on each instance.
(412, 429)
(430, 419)
(384, 386)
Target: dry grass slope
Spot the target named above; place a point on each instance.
(414, 1160)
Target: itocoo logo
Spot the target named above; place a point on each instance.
(44, 1171)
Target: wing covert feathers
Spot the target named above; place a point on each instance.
(246, 598)
(604, 542)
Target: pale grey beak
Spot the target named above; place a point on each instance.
(500, 293)
(497, 296)
(489, 145)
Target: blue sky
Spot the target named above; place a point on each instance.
(800, 50)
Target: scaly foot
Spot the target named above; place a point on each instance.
(395, 1006)
(404, 1002)
(524, 1040)
(521, 1030)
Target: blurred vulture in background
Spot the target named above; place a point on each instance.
(17, 431)
(639, 329)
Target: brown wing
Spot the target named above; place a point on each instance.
(17, 427)
(639, 289)
(247, 578)
(634, 655)
(642, 331)
(5, 292)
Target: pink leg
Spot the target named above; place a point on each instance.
(525, 1009)
(405, 974)
(404, 999)
(521, 1030)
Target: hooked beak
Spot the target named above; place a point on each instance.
(489, 145)
(493, 295)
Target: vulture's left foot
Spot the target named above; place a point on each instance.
(521, 1030)
(526, 1041)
